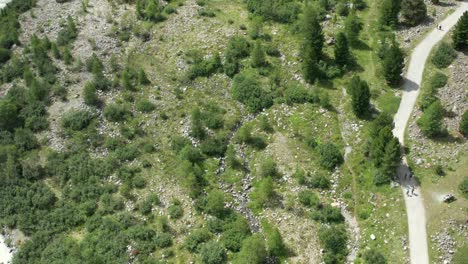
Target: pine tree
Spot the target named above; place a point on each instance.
(89, 94)
(353, 27)
(342, 54)
(413, 11)
(393, 64)
(142, 78)
(431, 122)
(360, 96)
(391, 157)
(126, 80)
(389, 13)
(258, 55)
(460, 33)
(67, 56)
(313, 44)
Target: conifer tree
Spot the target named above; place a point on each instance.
(431, 122)
(258, 55)
(342, 54)
(67, 56)
(312, 45)
(126, 80)
(89, 94)
(389, 13)
(413, 11)
(393, 64)
(353, 27)
(460, 33)
(360, 96)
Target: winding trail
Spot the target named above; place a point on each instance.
(414, 203)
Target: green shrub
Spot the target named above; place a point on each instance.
(263, 194)
(247, 89)
(333, 239)
(205, 68)
(77, 120)
(215, 146)
(328, 214)
(197, 237)
(206, 13)
(372, 256)
(89, 94)
(463, 187)
(320, 181)
(464, 124)
(296, 94)
(438, 80)
(268, 168)
(145, 106)
(279, 11)
(235, 232)
(215, 203)
(308, 198)
(443, 55)
(330, 156)
(431, 122)
(163, 240)
(175, 210)
(213, 253)
(116, 112)
(276, 246)
(253, 251)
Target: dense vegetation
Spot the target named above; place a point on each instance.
(153, 147)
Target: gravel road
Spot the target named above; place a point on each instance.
(414, 203)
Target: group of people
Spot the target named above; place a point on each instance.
(410, 188)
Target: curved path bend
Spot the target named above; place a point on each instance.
(414, 203)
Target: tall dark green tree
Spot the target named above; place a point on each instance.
(389, 11)
(312, 45)
(460, 33)
(393, 64)
(353, 27)
(342, 53)
(413, 11)
(360, 96)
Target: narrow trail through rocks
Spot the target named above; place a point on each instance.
(241, 197)
(415, 204)
(350, 219)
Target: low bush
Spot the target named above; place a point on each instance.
(330, 156)
(213, 253)
(77, 120)
(464, 124)
(116, 112)
(308, 198)
(334, 239)
(145, 106)
(463, 187)
(320, 181)
(197, 237)
(443, 55)
(372, 256)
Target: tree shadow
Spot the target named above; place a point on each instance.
(407, 85)
(361, 45)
